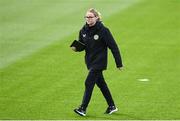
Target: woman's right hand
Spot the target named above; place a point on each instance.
(73, 48)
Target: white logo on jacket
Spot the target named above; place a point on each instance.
(96, 37)
(84, 35)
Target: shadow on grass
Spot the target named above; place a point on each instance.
(114, 116)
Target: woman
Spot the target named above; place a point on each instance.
(97, 39)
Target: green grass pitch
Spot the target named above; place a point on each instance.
(41, 78)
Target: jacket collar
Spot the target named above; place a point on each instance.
(97, 26)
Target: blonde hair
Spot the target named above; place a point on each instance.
(96, 13)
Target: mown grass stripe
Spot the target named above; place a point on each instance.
(19, 43)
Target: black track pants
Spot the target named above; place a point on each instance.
(96, 77)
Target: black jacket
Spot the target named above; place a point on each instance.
(97, 40)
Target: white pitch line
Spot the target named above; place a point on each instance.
(143, 80)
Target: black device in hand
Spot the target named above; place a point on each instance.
(79, 45)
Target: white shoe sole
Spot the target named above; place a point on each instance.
(80, 113)
(113, 111)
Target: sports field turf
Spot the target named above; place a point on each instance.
(41, 78)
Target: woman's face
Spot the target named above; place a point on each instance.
(90, 19)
